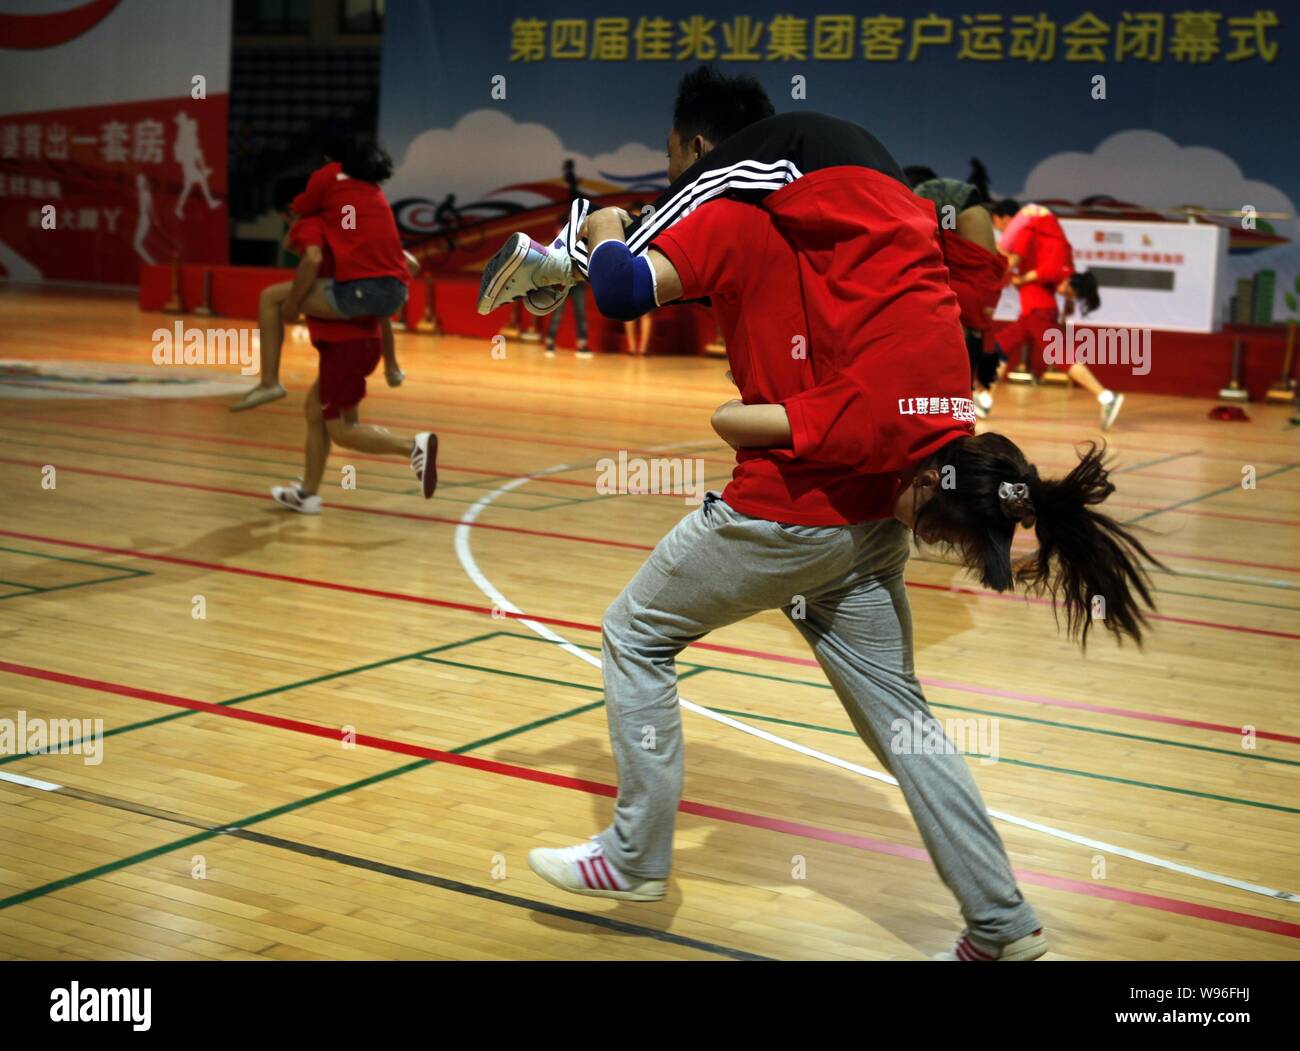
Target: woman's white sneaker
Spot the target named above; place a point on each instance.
(292, 497)
(584, 869)
(259, 395)
(424, 461)
(1110, 409)
(1030, 947)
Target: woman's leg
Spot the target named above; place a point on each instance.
(1109, 401)
(346, 430)
(317, 304)
(270, 329)
(861, 633)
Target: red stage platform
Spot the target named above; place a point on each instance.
(1181, 363)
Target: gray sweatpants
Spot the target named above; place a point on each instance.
(718, 566)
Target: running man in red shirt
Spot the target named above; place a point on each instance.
(350, 350)
(370, 266)
(853, 431)
(1042, 261)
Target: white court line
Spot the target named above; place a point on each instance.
(468, 563)
(30, 782)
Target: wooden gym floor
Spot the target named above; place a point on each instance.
(230, 819)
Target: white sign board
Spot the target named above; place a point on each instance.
(1152, 275)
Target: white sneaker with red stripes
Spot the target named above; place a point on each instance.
(584, 869)
(1030, 947)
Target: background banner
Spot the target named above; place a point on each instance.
(483, 104)
(112, 153)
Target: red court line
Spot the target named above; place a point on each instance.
(1166, 617)
(523, 439)
(216, 439)
(573, 538)
(581, 626)
(340, 507)
(599, 788)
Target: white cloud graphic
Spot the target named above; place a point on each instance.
(487, 149)
(1145, 167)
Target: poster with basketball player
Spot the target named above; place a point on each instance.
(112, 141)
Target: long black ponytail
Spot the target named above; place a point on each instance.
(1090, 565)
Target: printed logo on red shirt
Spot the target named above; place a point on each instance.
(962, 409)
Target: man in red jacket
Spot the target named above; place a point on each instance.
(350, 349)
(834, 302)
(1042, 261)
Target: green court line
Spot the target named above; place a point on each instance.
(267, 815)
(124, 573)
(695, 669)
(698, 669)
(78, 561)
(1190, 574)
(65, 587)
(539, 678)
(1234, 601)
(513, 674)
(1025, 719)
(1258, 804)
(260, 693)
(1153, 463)
(1208, 496)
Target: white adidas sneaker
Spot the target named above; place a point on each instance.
(292, 497)
(584, 869)
(424, 461)
(1030, 947)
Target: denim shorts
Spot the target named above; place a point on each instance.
(366, 296)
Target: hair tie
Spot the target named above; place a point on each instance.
(1016, 503)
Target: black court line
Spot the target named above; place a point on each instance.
(414, 876)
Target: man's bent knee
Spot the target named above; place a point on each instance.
(339, 431)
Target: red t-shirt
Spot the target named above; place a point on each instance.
(810, 293)
(1036, 236)
(364, 240)
(311, 231)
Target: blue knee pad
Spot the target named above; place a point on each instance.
(621, 282)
